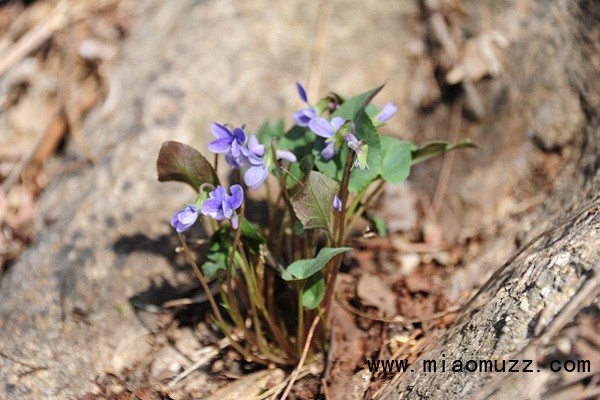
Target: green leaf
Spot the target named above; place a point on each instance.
(350, 108)
(372, 110)
(307, 163)
(180, 162)
(359, 179)
(251, 231)
(302, 269)
(299, 171)
(218, 253)
(270, 131)
(313, 204)
(333, 168)
(211, 269)
(313, 291)
(298, 141)
(437, 147)
(298, 228)
(395, 159)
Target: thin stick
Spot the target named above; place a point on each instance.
(318, 50)
(325, 389)
(205, 359)
(302, 359)
(275, 390)
(398, 319)
(207, 353)
(23, 363)
(446, 170)
(53, 22)
(63, 14)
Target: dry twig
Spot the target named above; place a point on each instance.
(294, 376)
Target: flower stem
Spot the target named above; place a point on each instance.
(224, 327)
(300, 331)
(363, 207)
(234, 309)
(339, 225)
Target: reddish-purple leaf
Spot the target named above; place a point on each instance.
(180, 162)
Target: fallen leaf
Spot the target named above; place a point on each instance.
(372, 291)
(248, 386)
(417, 283)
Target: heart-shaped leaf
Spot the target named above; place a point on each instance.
(313, 291)
(180, 162)
(313, 204)
(306, 164)
(395, 160)
(270, 130)
(218, 253)
(251, 231)
(350, 107)
(211, 269)
(302, 269)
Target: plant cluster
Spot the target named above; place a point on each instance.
(275, 278)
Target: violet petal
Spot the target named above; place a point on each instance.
(285, 155)
(227, 210)
(301, 92)
(329, 151)
(211, 207)
(337, 203)
(239, 135)
(220, 145)
(321, 127)
(387, 112)
(336, 123)
(220, 131)
(234, 221)
(237, 196)
(255, 176)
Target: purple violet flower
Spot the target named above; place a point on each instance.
(302, 117)
(337, 203)
(260, 160)
(222, 206)
(228, 142)
(184, 218)
(387, 112)
(325, 129)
